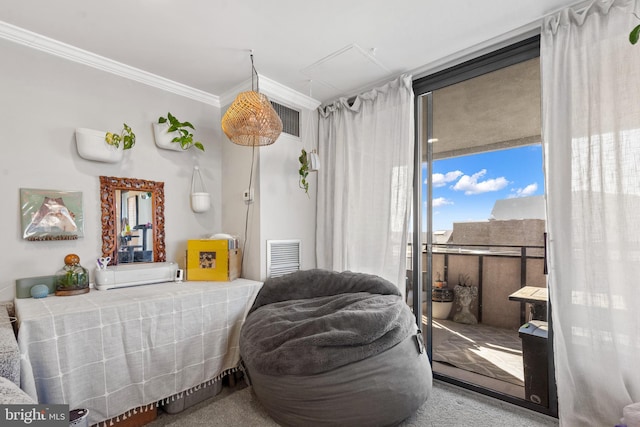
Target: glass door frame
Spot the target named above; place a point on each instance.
(423, 91)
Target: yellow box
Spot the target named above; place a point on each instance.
(213, 260)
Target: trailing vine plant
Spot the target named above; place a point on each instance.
(185, 136)
(303, 171)
(634, 35)
(127, 137)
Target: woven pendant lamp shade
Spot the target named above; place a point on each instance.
(251, 120)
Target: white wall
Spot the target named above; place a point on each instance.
(236, 171)
(281, 210)
(287, 212)
(43, 98)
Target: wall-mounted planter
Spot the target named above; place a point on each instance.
(163, 138)
(92, 146)
(314, 161)
(200, 200)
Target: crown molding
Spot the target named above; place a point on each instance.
(274, 90)
(72, 53)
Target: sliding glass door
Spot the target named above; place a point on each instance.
(475, 265)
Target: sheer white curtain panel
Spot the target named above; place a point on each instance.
(591, 138)
(364, 192)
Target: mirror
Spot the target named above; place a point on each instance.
(132, 220)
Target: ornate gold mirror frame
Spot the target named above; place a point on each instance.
(108, 187)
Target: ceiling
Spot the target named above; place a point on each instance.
(322, 49)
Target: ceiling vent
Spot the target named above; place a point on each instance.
(283, 257)
(290, 119)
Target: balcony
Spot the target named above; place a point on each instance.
(489, 352)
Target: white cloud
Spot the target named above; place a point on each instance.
(524, 192)
(440, 201)
(470, 184)
(440, 180)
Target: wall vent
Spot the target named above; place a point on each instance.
(290, 119)
(283, 257)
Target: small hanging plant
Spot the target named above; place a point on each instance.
(634, 35)
(185, 137)
(304, 171)
(126, 137)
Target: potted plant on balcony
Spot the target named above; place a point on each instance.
(172, 134)
(103, 146)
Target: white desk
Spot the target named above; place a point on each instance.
(112, 351)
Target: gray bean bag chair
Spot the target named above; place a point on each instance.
(323, 348)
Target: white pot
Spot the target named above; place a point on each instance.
(314, 161)
(92, 146)
(200, 202)
(441, 310)
(163, 138)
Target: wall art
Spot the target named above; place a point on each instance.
(51, 214)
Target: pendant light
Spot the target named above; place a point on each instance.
(251, 119)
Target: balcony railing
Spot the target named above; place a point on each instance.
(481, 254)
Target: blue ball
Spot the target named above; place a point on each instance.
(39, 291)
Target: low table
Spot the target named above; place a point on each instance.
(537, 297)
(116, 350)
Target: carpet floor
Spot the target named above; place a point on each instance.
(448, 406)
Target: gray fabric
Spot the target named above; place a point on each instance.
(11, 394)
(313, 283)
(382, 390)
(313, 321)
(9, 351)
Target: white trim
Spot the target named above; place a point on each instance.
(81, 56)
(275, 90)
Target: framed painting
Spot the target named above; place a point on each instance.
(51, 214)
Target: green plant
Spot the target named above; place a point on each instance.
(304, 171)
(185, 139)
(464, 280)
(127, 137)
(634, 35)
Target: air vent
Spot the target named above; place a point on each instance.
(283, 257)
(290, 119)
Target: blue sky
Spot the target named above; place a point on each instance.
(465, 188)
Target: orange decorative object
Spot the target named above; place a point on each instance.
(71, 259)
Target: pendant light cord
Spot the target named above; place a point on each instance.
(254, 71)
(249, 202)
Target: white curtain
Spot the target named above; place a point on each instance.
(591, 137)
(364, 192)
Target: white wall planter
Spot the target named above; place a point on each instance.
(314, 161)
(92, 146)
(200, 200)
(163, 138)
